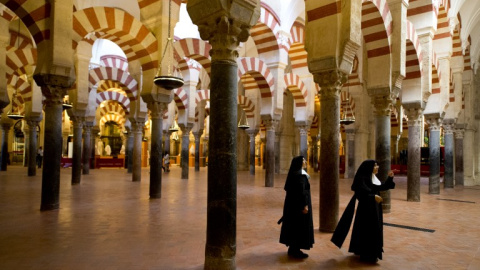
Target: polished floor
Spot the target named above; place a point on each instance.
(108, 222)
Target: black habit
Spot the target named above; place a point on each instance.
(367, 232)
(297, 227)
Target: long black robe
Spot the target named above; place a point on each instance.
(297, 227)
(367, 232)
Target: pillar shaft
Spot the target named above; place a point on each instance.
(185, 156)
(157, 109)
(350, 154)
(382, 143)
(53, 147)
(129, 151)
(26, 148)
(303, 141)
(459, 180)
(434, 155)
(270, 152)
(32, 157)
(414, 154)
(330, 83)
(197, 136)
(87, 147)
(449, 175)
(277, 152)
(77, 150)
(137, 127)
(4, 155)
(251, 135)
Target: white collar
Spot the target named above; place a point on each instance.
(375, 180)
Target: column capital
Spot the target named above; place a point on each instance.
(414, 116)
(197, 134)
(6, 126)
(53, 94)
(382, 104)
(459, 133)
(185, 128)
(303, 129)
(270, 124)
(157, 109)
(252, 132)
(448, 125)
(434, 123)
(350, 134)
(224, 24)
(137, 126)
(330, 82)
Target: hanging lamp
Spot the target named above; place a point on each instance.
(174, 127)
(243, 123)
(168, 81)
(14, 112)
(66, 104)
(347, 119)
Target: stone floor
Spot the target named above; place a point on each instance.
(108, 222)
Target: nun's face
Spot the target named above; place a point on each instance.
(304, 166)
(375, 168)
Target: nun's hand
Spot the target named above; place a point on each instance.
(390, 174)
(378, 199)
(305, 209)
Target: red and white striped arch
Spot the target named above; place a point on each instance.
(180, 98)
(114, 61)
(122, 100)
(413, 61)
(247, 105)
(112, 86)
(188, 64)
(18, 41)
(203, 94)
(457, 50)
(297, 53)
(295, 85)
(466, 58)
(115, 74)
(451, 92)
(136, 41)
(435, 80)
(35, 16)
(443, 23)
(376, 27)
(260, 72)
(18, 59)
(24, 89)
(112, 117)
(195, 49)
(264, 33)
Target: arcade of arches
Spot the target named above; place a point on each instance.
(404, 70)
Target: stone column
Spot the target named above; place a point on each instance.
(26, 144)
(167, 134)
(414, 156)
(434, 153)
(264, 151)
(157, 110)
(303, 141)
(314, 150)
(184, 160)
(270, 125)
(53, 142)
(350, 153)
(197, 135)
(4, 157)
(32, 157)
(242, 148)
(382, 105)
(448, 125)
(277, 151)
(129, 150)
(87, 146)
(395, 140)
(224, 29)
(459, 133)
(251, 135)
(95, 137)
(331, 84)
(137, 128)
(77, 150)
(469, 156)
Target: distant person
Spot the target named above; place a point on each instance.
(108, 150)
(367, 233)
(166, 162)
(39, 157)
(297, 220)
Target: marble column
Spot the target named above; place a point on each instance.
(251, 135)
(157, 110)
(303, 140)
(77, 150)
(270, 125)
(198, 136)
(414, 156)
(166, 147)
(52, 153)
(459, 134)
(224, 29)
(382, 143)
(95, 137)
(314, 149)
(26, 143)
(4, 157)
(264, 151)
(129, 150)
(449, 176)
(395, 140)
(277, 151)
(137, 128)
(242, 150)
(330, 83)
(469, 156)
(435, 124)
(350, 153)
(87, 146)
(185, 156)
(32, 157)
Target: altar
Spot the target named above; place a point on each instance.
(109, 161)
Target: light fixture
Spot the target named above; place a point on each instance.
(348, 116)
(243, 123)
(168, 81)
(174, 127)
(14, 112)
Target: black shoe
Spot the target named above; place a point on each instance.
(297, 253)
(368, 259)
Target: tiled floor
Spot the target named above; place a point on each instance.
(108, 222)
